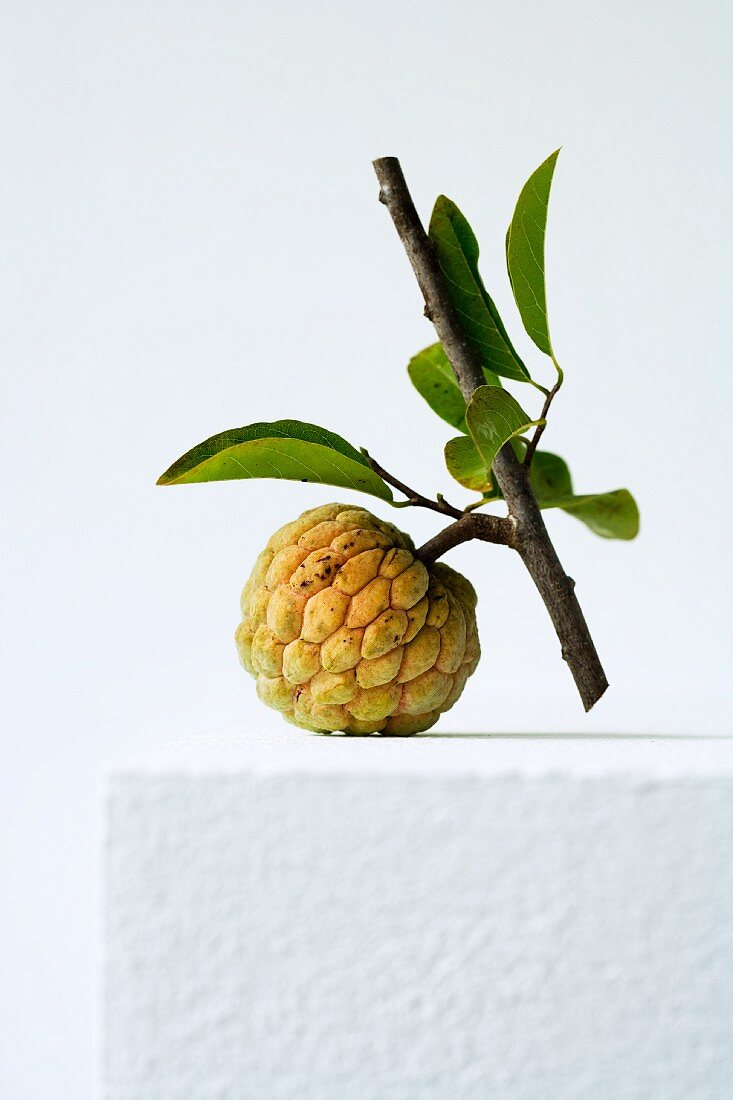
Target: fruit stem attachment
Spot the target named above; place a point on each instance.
(468, 525)
(471, 525)
(530, 540)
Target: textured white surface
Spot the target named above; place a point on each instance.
(520, 919)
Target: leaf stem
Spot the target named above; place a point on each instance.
(488, 498)
(550, 394)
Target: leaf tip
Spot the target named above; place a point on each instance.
(635, 524)
(551, 160)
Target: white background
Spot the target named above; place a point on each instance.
(191, 241)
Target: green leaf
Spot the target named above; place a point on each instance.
(612, 515)
(493, 418)
(525, 253)
(432, 376)
(549, 476)
(288, 449)
(466, 465)
(457, 252)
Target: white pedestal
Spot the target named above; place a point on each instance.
(438, 918)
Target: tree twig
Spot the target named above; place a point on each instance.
(530, 538)
(440, 505)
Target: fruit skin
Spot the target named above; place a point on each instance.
(346, 630)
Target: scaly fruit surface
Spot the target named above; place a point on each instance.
(346, 630)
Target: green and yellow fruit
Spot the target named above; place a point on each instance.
(346, 630)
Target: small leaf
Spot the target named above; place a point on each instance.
(493, 418)
(457, 252)
(287, 449)
(466, 465)
(525, 253)
(432, 376)
(612, 515)
(549, 476)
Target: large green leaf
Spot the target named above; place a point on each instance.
(434, 379)
(493, 418)
(466, 465)
(457, 252)
(525, 253)
(288, 449)
(612, 515)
